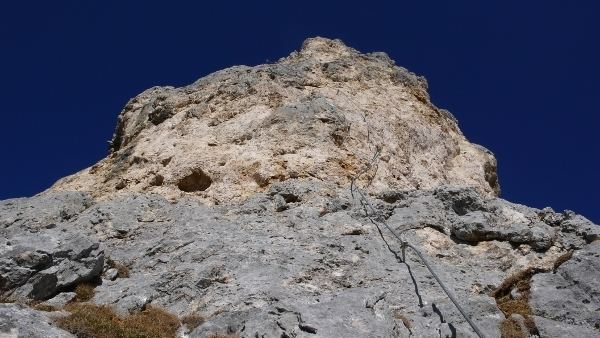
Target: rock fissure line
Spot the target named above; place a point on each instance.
(375, 218)
(405, 244)
(400, 260)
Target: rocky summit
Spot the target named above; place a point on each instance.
(265, 202)
(316, 115)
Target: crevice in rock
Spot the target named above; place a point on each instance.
(438, 312)
(119, 163)
(391, 197)
(400, 260)
(196, 181)
(513, 294)
(510, 304)
(261, 180)
(290, 197)
(371, 303)
(307, 328)
(457, 240)
(166, 161)
(157, 180)
(84, 290)
(491, 177)
(160, 114)
(118, 136)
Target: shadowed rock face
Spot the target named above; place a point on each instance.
(318, 114)
(230, 199)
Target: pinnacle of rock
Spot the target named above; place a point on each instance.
(319, 114)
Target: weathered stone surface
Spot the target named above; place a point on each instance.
(249, 265)
(61, 300)
(36, 261)
(318, 114)
(33, 214)
(571, 294)
(230, 198)
(111, 274)
(18, 321)
(555, 329)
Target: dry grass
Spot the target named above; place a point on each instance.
(193, 321)
(512, 281)
(521, 281)
(562, 259)
(511, 329)
(84, 292)
(45, 307)
(100, 321)
(122, 270)
(223, 336)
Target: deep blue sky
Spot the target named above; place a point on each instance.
(521, 76)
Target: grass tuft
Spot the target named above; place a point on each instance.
(84, 292)
(521, 281)
(100, 321)
(45, 307)
(509, 328)
(562, 259)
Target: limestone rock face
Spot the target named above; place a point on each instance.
(319, 114)
(39, 257)
(20, 321)
(301, 259)
(231, 200)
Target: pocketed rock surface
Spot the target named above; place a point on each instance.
(318, 114)
(230, 199)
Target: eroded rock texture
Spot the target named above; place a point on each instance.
(318, 114)
(302, 260)
(230, 199)
(21, 321)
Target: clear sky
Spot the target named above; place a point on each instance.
(520, 76)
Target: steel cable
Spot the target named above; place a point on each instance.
(375, 218)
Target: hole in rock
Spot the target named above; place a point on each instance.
(290, 198)
(157, 180)
(196, 181)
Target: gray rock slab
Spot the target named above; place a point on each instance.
(557, 329)
(570, 295)
(61, 299)
(316, 267)
(18, 321)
